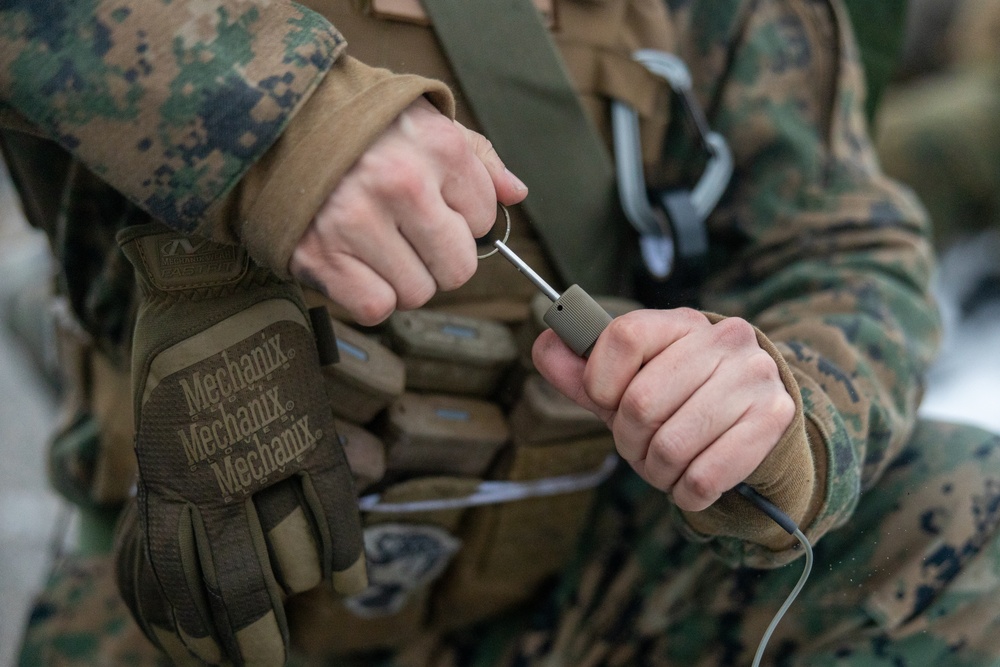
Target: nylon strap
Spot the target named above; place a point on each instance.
(520, 92)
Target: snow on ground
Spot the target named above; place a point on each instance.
(964, 384)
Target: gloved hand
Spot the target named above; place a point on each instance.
(244, 493)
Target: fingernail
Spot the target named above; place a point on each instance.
(515, 181)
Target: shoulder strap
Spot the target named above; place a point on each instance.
(517, 85)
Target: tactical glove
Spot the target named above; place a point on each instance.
(244, 493)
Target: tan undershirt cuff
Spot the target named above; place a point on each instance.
(11, 119)
(793, 477)
(280, 195)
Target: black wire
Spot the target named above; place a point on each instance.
(767, 507)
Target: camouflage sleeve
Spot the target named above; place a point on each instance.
(11, 119)
(169, 102)
(828, 257)
(277, 199)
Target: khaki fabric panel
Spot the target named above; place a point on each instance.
(597, 40)
(320, 623)
(451, 353)
(366, 378)
(365, 453)
(542, 415)
(320, 626)
(509, 549)
(111, 404)
(443, 434)
(511, 312)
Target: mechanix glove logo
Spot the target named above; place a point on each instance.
(244, 491)
(244, 425)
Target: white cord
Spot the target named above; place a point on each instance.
(491, 493)
(788, 601)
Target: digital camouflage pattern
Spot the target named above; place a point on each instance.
(921, 589)
(814, 245)
(811, 243)
(80, 619)
(193, 93)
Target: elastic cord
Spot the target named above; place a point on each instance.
(492, 493)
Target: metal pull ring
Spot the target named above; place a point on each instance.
(506, 235)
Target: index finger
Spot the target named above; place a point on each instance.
(509, 188)
(478, 181)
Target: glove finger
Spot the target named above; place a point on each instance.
(176, 568)
(138, 586)
(328, 487)
(292, 541)
(244, 597)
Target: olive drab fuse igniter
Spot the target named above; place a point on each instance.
(574, 315)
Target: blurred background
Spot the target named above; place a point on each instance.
(934, 68)
(33, 519)
(936, 123)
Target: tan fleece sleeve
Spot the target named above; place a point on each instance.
(277, 199)
(793, 477)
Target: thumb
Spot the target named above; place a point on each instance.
(509, 188)
(564, 370)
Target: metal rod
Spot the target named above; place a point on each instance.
(528, 272)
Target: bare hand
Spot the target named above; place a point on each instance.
(694, 407)
(403, 221)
